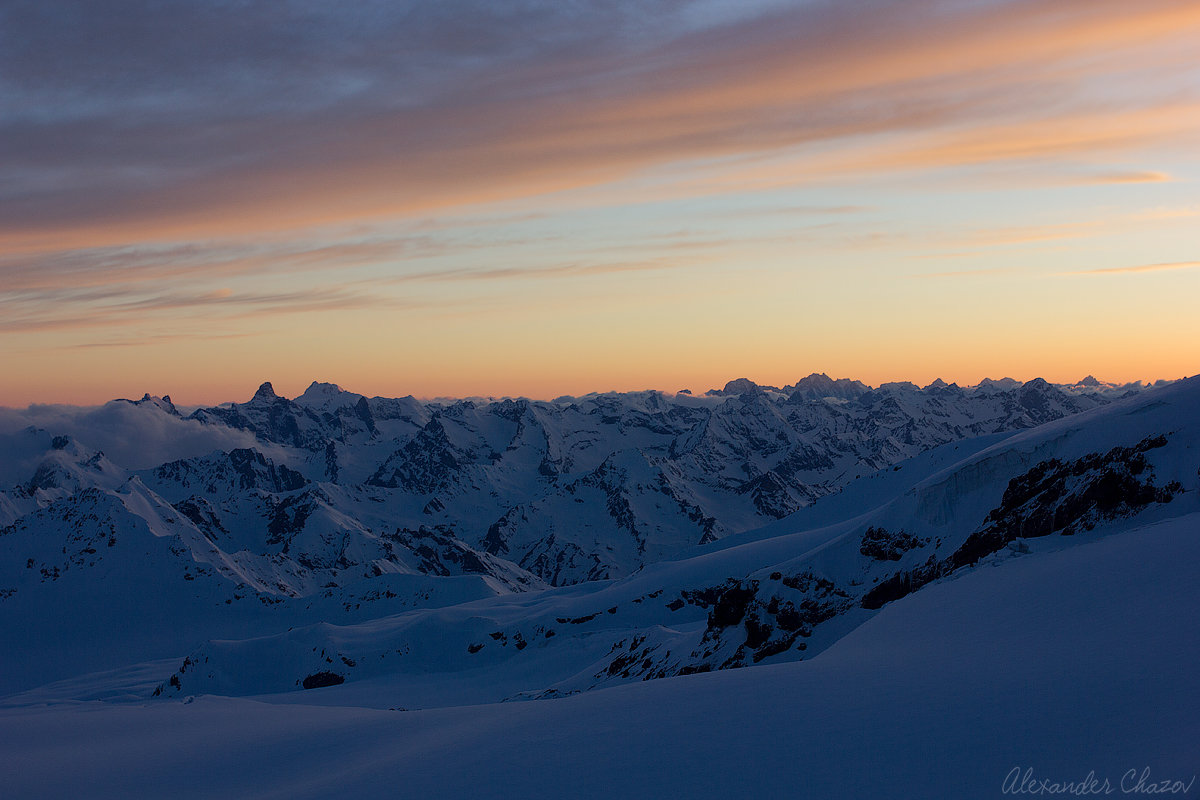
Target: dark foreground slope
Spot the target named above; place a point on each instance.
(1073, 662)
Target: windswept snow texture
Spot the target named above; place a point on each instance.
(943, 583)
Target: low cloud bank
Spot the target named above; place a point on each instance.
(132, 436)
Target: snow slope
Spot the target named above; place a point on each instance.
(1075, 661)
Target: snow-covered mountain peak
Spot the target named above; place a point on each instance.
(737, 386)
(161, 403)
(997, 385)
(327, 397)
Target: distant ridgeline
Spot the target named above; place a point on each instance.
(334, 486)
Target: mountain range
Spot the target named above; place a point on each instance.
(394, 553)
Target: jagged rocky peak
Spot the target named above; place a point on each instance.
(327, 396)
(265, 392)
(1035, 397)
(819, 385)
(1039, 386)
(508, 408)
(322, 389)
(816, 380)
(162, 403)
(740, 386)
(899, 386)
(1090, 380)
(937, 383)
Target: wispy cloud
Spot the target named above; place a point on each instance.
(153, 340)
(1141, 268)
(969, 273)
(999, 236)
(1026, 234)
(122, 308)
(282, 120)
(96, 267)
(1127, 177)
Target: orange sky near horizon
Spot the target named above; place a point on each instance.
(550, 200)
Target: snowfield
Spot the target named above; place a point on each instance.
(1069, 662)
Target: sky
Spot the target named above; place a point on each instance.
(547, 197)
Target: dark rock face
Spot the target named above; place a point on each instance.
(1058, 497)
(202, 514)
(270, 418)
(321, 679)
(771, 495)
(238, 470)
(883, 545)
(737, 386)
(903, 583)
(255, 471)
(730, 607)
(45, 477)
(362, 410)
(551, 560)
(441, 552)
(287, 520)
(425, 464)
(819, 386)
(748, 620)
(1064, 497)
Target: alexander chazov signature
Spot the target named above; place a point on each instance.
(1020, 781)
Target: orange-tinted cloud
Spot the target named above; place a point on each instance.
(811, 74)
(1148, 176)
(1141, 268)
(60, 310)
